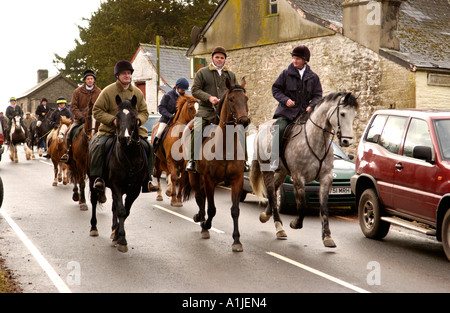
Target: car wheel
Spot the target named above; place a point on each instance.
(446, 234)
(369, 213)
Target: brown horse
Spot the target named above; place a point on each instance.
(78, 164)
(222, 159)
(56, 144)
(172, 161)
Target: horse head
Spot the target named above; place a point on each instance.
(127, 121)
(236, 108)
(17, 120)
(64, 125)
(187, 107)
(341, 117)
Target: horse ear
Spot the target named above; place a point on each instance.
(243, 82)
(118, 100)
(134, 100)
(228, 83)
(347, 97)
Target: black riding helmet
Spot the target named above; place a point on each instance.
(122, 66)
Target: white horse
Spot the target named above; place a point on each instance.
(17, 136)
(308, 156)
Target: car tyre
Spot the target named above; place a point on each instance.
(446, 234)
(369, 214)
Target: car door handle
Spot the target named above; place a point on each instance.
(399, 166)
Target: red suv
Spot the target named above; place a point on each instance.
(403, 174)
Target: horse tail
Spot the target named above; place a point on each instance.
(187, 188)
(256, 179)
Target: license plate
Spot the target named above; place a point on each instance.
(340, 191)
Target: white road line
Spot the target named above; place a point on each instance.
(185, 218)
(318, 273)
(54, 277)
(46, 162)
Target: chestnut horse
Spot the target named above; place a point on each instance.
(172, 161)
(56, 144)
(222, 159)
(78, 164)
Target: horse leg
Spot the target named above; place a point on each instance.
(169, 184)
(65, 172)
(236, 192)
(75, 195)
(268, 178)
(280, 232)
(59, 166)
(209, 191)
(325, 186)
(158, 173)
(174, 178)
(299, 192)
(11, 151)
(55, 170)
(82, 202)
(27, 151)
(16, 155)
(200, 198)
(94, 199)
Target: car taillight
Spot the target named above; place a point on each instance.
(1, 139)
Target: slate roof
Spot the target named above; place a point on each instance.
(423, 29)
(44, 83)
(173, 62)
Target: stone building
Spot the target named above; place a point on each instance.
(173, 65)
(50, 88)
(395, 53)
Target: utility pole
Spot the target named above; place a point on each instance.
(159, 71)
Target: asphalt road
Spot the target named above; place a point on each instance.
(44, 238)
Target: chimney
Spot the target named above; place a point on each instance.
(42, 75)
(372, 23)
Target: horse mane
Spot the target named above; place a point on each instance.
(65, 120)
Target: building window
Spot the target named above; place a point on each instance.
(438, 80)
(273, 6)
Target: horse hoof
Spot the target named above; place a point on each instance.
(197, 218)
(93, 233)
(176, 204)
(55, 184)
(76, 198)
(329, 243)
(122, 248)
(295, 225)
(205, 234)
(83, 207)
(159, 198)
(263, 217)
(281, 235)
(237, 247)
(169, 193)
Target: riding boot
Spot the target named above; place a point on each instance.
(149, 187)
(156, 144)
(99, 186)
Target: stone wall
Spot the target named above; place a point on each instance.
(342, 65)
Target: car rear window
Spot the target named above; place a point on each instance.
(376, 127)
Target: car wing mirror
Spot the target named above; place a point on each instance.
(423, 153)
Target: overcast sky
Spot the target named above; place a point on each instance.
(31, 32)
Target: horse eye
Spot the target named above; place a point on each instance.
(342, 114)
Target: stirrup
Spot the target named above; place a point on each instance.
(65, 158)
(191, 167)
(99, 185)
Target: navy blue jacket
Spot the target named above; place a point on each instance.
(168, 106)
(305, 92)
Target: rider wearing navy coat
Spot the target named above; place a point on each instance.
(297, 90)
(168, 108)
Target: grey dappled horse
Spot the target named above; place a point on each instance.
(308, 156)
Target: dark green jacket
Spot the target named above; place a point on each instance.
(205, 86)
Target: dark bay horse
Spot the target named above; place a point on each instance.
(56, 143)
(78, 164)
(17, 136)
(127, 169)
(223, 158)
(171, 160)
(38, 135)
(308, 156)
